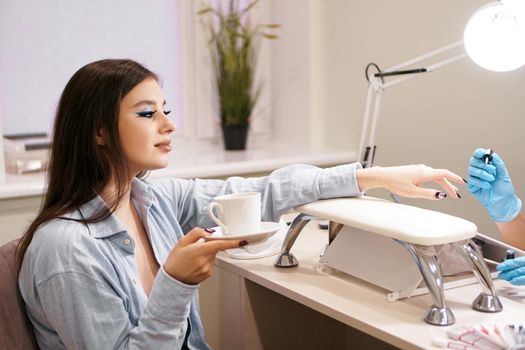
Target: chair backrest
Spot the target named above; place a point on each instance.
(16, 330)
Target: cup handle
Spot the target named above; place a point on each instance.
(214, 218)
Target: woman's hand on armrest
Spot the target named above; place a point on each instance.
(406, 180)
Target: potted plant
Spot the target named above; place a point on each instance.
(234, 43)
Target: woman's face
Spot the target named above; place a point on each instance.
(144, 127)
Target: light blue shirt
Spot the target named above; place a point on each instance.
(80, 281)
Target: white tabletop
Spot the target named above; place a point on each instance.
(364, 306)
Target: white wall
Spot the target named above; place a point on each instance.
(437, 119)
(291, 64)
(43, 43)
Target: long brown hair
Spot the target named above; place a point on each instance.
(79, 168)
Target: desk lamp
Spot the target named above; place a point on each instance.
(494, 38)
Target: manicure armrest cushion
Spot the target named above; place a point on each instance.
(398, 221)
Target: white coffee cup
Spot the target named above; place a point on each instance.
(238, 213)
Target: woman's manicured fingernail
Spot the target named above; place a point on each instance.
(440, 195)
(209, 230)
(465, 181)
(457, 194)
(243, 243)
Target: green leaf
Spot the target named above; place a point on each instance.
(270, 36)
(271, 26)
(249, 7)
(204, 11)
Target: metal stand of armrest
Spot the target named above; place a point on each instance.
(425, 257)
(285, 258)
(426, 260)
(488, 300)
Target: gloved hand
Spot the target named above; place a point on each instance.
(513, 270)
(491, 185)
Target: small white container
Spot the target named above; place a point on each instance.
(26, 153)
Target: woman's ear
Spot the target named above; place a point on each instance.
(100, 137)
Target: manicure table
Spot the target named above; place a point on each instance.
(315, 305)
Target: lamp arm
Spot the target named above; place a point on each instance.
(401, 72)
(376, 86)
(426, 56)
(364, 127)
(428, 69)
(446, 62)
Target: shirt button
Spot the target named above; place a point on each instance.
(127, 241)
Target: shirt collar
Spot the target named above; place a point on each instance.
(102, 229)
(141, 192)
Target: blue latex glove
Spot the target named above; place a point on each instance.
(513, 270)
(491, 185)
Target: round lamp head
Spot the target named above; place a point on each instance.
(495, 37)
(515, 6)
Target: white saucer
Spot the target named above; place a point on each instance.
(267, 230)
(261, 249)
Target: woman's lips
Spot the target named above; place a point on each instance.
(165, 146)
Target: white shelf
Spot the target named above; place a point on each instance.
(207, 160)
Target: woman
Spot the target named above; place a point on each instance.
(114, 260)
(490, 184)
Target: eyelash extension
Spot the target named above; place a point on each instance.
(149, 114)
(146, 114)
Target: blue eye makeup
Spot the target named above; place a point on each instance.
(146, 114)
(149, 114)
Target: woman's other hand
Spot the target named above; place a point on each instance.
(406, 181)
(513, 270)
(491, 185)
(190, 261)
